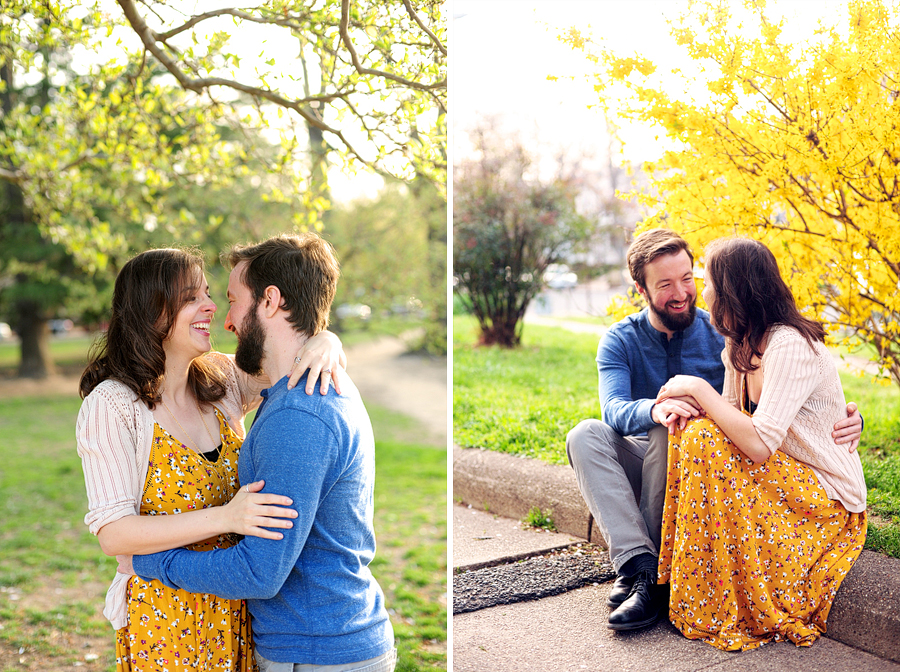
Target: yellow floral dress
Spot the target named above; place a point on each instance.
(174, 629)
(753, 552)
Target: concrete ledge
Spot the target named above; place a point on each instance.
(509, 486)
(866, 610)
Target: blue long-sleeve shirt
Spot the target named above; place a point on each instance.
(311, 595)
(634, 360)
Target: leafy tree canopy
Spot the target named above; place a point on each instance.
(113, 113)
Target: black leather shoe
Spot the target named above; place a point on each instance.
(620, 590)
(644, 606)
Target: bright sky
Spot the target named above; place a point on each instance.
(501, 54)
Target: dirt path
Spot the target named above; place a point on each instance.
(410, 384)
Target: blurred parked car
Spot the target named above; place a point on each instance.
(412, 307)
(558, 276)
(61, 326)
(353, 310)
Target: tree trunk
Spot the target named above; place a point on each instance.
(435, 338)
(318, 155)
(501, 333)
(30, 319)
(34, 332)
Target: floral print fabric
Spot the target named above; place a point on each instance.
(753, 552)
(168, 629)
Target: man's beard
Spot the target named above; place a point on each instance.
(675, 321)
(250, 346)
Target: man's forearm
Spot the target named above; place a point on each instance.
(629, 417)
(227, 573)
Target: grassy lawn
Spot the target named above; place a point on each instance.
(69, 354)
(53, 576)
(525, 401)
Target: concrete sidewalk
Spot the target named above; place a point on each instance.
(520, 603)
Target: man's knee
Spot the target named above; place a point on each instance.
(586, 437)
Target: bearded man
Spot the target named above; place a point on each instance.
(620, 462)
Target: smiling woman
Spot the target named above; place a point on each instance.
(782, 508)
(159, 434)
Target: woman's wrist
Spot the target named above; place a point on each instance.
(218, 516)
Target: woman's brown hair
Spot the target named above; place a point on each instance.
(149, 292)
(750, 297)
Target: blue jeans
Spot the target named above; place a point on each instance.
(384, 663)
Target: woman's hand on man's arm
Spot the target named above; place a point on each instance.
(248, 513)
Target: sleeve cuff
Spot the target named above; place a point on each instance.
(96, 520)
(645, 411)
(145, 566)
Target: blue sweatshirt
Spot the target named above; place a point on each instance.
(311, 595)
(634, 360)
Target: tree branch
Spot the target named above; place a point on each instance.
(199, 18)
(150, 39)
(12, 176)
(415, 16)
(348, 43)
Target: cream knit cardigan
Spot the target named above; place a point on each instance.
(800, 402)
(114, 432)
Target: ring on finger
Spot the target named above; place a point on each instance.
(296, 360)
(328, 371)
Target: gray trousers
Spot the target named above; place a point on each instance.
(623, 481)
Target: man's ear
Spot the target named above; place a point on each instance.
(271, 301)
(641, 290)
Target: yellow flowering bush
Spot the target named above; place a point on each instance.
(797, 146)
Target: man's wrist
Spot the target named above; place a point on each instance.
(139, 567)
(653, 414)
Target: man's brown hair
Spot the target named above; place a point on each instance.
(648, 246)
(304, 269)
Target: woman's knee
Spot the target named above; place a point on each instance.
(698, 435)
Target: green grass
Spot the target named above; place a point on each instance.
(522, 401)
(53, 576)
(411, 561)
(52, 573)
(69, 354)
(525, 401)
(539, 519)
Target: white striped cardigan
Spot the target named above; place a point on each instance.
(800, 402)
